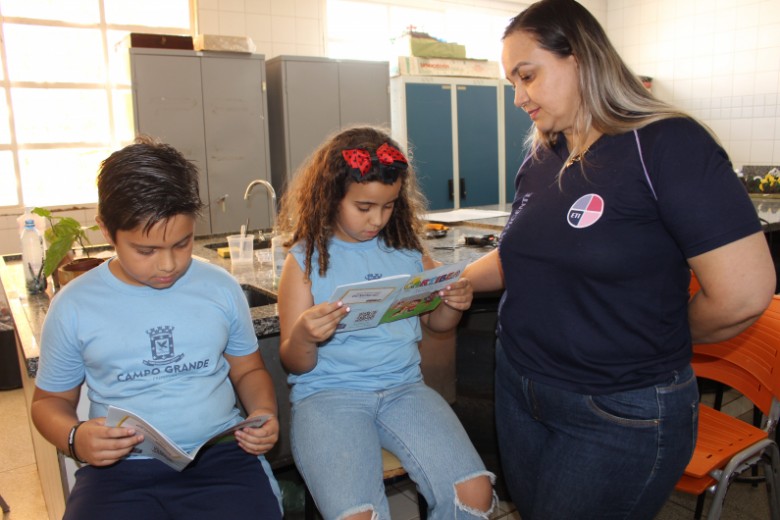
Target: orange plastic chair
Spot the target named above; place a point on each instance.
(726, 446)
(694, 287)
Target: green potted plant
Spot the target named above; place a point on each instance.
(61, 235)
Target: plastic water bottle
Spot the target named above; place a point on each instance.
(32, 258)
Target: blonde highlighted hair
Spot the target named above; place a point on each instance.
(613, 99)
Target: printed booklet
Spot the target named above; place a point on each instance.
(157, 445)
(395, 297)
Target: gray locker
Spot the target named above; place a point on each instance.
(212, 107)
(309, 98)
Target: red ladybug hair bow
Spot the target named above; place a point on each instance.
(389, 160)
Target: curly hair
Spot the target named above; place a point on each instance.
(310, 206)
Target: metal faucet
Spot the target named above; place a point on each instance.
(271, 195)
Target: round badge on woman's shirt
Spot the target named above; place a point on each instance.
(585, 211)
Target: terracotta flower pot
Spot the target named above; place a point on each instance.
(77, 267)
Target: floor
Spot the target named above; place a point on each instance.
(19, 483)
(20, 487)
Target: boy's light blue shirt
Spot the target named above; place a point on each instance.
(158, 353)
(369, 359)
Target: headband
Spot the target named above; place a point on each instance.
(388, 159)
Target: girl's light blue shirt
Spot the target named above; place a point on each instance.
(370, 359)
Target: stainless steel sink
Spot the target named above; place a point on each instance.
(256, 297)
(258, 244)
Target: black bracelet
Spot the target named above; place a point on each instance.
(72, 443)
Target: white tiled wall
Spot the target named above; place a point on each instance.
(717, 59)
(276, 26)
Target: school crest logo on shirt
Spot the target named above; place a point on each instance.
(585, 211)
(161, 339)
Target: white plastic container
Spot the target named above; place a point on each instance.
(32, 257)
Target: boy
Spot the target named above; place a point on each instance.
(167, 338)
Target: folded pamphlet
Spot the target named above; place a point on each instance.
(394, 298)
(157, 445)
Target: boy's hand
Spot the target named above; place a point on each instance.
(259, 440)
(319, 322)
(458, 295)
(102, 445)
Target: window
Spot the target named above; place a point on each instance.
(365, 29)
(65, 98)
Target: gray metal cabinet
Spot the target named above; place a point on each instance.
(212, 107)
(309, 98)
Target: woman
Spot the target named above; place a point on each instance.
(620, 197)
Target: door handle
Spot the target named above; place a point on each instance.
(222, 201)
(451, 191)
(462, 188)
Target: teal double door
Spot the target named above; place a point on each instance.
(456, 133)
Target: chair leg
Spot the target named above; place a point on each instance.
(699, 506)
(4, 505)
(422, 506)
(718, 396)
(771, 468)
(309, 508)
(716, 506)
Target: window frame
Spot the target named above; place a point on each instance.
(117, 135)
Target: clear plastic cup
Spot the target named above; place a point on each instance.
(241, 249)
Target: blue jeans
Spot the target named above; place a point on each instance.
(336, 439)
(617, 456)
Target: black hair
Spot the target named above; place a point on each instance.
(146, 183)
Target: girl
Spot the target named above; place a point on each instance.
(353, 215)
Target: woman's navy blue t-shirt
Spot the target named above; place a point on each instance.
(595, 267)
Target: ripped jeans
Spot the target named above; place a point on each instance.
(336, 438)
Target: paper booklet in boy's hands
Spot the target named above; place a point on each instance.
(395, 297)
(157, 445)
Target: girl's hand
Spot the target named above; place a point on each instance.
(318, 323)
(458, 295)
(102, 445)
(259, 440)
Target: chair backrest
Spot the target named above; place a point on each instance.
(749, 362)
(694, 286)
